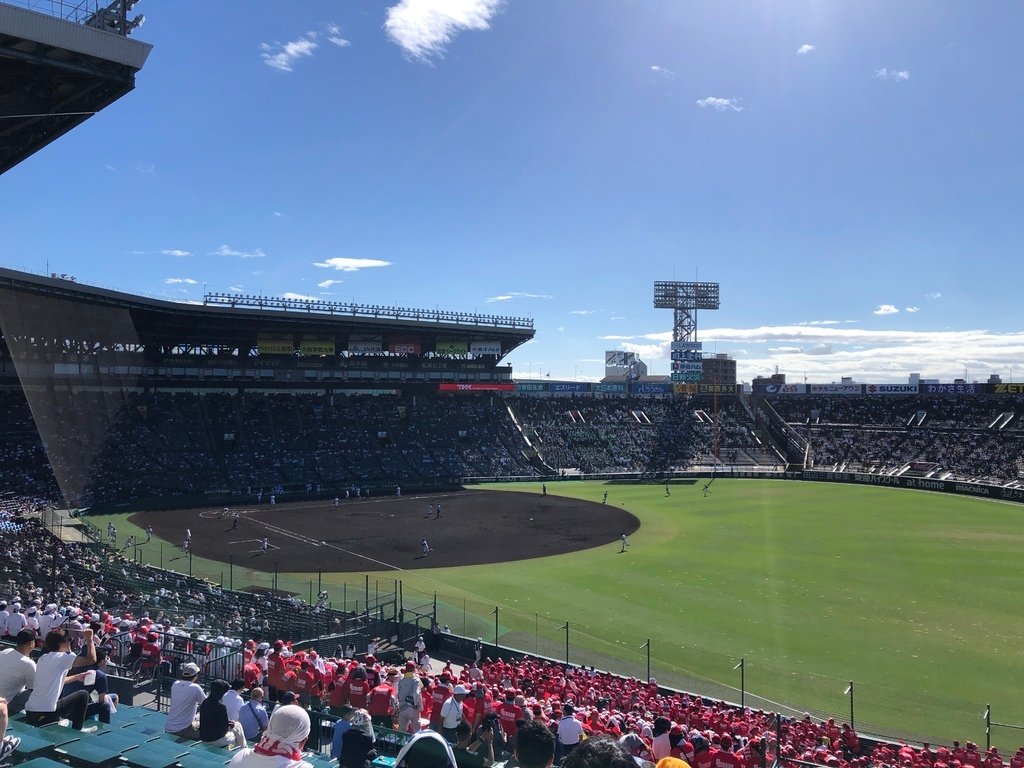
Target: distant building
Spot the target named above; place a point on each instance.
(775, 378)
(719, 369)
(617, 363)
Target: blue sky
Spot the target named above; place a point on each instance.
(851, 173)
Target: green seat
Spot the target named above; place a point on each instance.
(36, 740)
(146, 731)
(124, 738)
(93, 751)
(156, 754)
(126, 715)
(42, 762)
(202, 759)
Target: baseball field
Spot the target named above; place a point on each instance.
(914, 597)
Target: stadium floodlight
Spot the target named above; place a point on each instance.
(685, 298)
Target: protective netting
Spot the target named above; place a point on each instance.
(55, 346)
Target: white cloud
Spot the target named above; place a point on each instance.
(236, 288)
(719, 104)
(278, 214)
(517, 295)
(617, 317)
(891, 74)
(662, 71)
(146, 169)
(804, 49)
(281, 56)
(334, 36)
(343, 264)
(821, 322)
(934, 295)
(424, 28)
(886, 309)
(227, 250)
(328, 283)
(175, 252)
(617, 338)
(180, 281)
(583, 312)
(911, 310)
(298, 296)
(871, 356)
(560, 329)
(109, 167)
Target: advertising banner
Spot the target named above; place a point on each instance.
(1008, 389)
(611, 388)
(919, 483)
(404, 347)
(529, 386)
(451, 347)
(568, 386)
(653, 388)
(275, 345)
(686, 354)
(364, 347)
(780, 389)
(678, 365)
(315, 346)
(716, 389)
(834, 389)
(685, 389)
(890, 389)
(952, 389)
(477, 387)
(687, 345)
(485, 348)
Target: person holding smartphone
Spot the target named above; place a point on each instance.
(53, 670)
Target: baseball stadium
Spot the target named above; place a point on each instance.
(823, 574)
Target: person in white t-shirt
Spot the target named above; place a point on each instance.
(15, 620)
(186, 696)
(282, 742)
(45, 705)
(233, 700)
(570, 730)
(17, 670)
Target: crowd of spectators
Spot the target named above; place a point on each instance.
(619, 435)
(89, 584)
(976, 438)
(105, 447)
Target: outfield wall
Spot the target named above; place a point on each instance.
(959, 487)
(919, 483)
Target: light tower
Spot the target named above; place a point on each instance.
(685, 299)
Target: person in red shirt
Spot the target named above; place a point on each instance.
(725, 757)
(150, 657)
(357, 688)
(276, 668)
(306, 683)
(252, 674)
(440, 692)
(508, 712)
(382, 701)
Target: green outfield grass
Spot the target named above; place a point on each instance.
(914, 596)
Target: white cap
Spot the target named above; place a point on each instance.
(460, 689)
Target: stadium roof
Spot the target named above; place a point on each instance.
(58, 69)
(58, 309)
